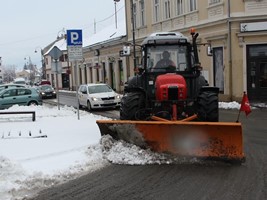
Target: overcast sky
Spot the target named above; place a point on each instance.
(30, 24)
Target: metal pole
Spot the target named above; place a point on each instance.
(56, 63)
(76, 83)
(133, 32)
(115, 3)
(116, 14)
(230, 51)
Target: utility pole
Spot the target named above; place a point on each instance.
(229, 46)
(133, 32)
(115, 3)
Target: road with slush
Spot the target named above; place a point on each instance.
(199, 181)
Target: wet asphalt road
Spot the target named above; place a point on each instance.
(209, 180)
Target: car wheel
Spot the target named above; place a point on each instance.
(89, 106)
(32, 103)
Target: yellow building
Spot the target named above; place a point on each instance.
(236, 31)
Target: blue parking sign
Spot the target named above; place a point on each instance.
(74, 38)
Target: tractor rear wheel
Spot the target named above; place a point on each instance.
(131, 103)
(208, 109)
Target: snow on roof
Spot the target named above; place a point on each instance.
(106, 34)
(61, 44)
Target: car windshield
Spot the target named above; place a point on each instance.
(162, 57)
(99, 89)
(46, 87)
(20, 82)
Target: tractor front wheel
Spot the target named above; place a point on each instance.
(208, 109)
(131, 103)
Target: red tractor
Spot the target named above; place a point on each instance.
(169, 106)
(170, 84)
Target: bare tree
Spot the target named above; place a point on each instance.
(9, 73)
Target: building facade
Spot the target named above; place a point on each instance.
(236, 31)
(101, 62)
(60, 72)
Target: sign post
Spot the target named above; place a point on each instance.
(55, 53)
(75, 53)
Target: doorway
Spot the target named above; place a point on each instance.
(112, 76)
(257, 72)
(65, 81)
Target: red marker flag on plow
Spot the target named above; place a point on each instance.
(245, 106)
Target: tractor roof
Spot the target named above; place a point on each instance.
(165, 38)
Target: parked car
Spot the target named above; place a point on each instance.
(47, 91)
(20, 96)
(20, 81)
(45, 82)
(6, 86)
(100, 95)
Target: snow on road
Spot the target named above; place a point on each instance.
(58, 147)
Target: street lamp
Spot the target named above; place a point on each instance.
(29, 66)
(115, 3)
(63, 33)
(42, 61)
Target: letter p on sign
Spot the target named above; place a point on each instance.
(74, 37)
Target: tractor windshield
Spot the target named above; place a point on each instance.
(168, 58)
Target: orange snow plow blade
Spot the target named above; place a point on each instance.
(214, 140)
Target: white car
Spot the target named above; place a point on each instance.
(95, 96)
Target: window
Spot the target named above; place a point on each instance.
(10, 93)
(176, 55)
(179, 7)
(156, 10)
(192, 5)
(61, 58)
(218, 68)
(21, 92)
(24, 92)
(211, 2)
(167, 9)
(142, 13)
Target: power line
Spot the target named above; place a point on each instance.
(37, 37)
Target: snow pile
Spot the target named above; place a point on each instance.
(71, 148)
(229, 105)
(29, 163)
